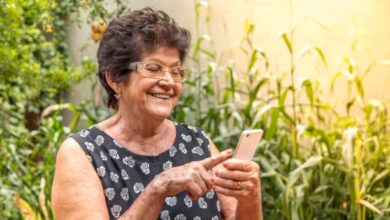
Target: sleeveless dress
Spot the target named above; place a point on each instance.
(125, 174)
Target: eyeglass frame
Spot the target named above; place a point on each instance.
(140, 67)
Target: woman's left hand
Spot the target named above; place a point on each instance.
(239, 179)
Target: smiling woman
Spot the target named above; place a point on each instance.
(137, 164)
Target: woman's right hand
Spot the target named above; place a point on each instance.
(193, 177)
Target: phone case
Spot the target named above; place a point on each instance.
(247, 144)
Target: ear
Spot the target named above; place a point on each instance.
(114, 85)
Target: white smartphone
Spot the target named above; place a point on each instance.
(247, 145)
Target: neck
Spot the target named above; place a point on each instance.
(131, 128)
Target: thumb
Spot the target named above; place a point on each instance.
(211, 162)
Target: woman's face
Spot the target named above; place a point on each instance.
(150, 98)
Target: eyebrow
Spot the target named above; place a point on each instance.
(177, 63)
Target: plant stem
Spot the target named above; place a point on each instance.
(295, 150)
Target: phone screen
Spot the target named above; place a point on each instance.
(247, 144)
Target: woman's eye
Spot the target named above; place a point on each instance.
(153, 67)
(176, 71)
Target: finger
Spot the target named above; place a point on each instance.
(194, 191)
(202, 182)
(236, 175)
(211, 162)
(236, 164)
(230, 192)
(205, 175)
(228, 184)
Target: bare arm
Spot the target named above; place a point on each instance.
(77, 192)
(238, 201)
(75, 185)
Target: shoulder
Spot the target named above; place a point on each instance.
(71, 163)
(69, 151)
(75, 183)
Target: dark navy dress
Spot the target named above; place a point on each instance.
(125, 174)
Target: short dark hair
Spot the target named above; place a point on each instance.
(129, 37)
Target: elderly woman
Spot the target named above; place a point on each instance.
(137, 164)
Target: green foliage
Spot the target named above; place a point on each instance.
(317, 162)
(35, 72)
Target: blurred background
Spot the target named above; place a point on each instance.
(313, 74)
(352, 29)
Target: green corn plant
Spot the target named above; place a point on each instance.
(317, 161)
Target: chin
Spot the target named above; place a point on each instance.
(162, 114)
(159, 110)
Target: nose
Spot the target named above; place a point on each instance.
(167, 77)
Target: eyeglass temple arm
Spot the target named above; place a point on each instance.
(133, 65)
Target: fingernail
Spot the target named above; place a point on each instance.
(229, 151)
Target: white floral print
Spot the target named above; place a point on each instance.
(180, 217)
(114, 177)
(200, 140)
(103, 156)
(172, 151)
(99, 140)
(129, 161)
(84, 133)
(114, 154)
(145, 168)
(164, 215)
(101, 171)
(171, 201)
(125, 193)
(186, 138)
(116, 211)
(197, 151)
(182, 148)
(110, 193)
(90, 146)
(202, 204)
(138, 187)
(188, 201)
(210, 194)
(167, 165)
(125, 176)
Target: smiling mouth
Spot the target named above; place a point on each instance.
(160, 95)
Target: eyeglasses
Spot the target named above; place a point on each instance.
(157, 71)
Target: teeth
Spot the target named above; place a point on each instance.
(160, 95)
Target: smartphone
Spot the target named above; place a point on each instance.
(247, 145)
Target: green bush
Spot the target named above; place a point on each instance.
(35, 72)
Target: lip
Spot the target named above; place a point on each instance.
(164, 96)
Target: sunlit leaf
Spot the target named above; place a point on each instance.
(286, 41)
(359, 86)
(322, 56)
(42, 199)
(370, 206)
(252, 61)
(24, 208)
(295, 174)
(273, 125)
